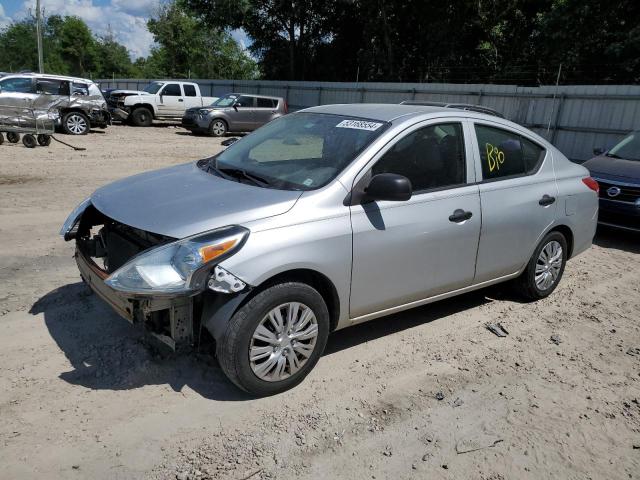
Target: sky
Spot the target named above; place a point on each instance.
(126, 18)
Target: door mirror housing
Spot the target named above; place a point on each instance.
(598, 151)
(390, 187)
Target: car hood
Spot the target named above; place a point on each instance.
(127, 92)
(184, 200)
(614, 168)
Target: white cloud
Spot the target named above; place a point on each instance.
(126, 18)
(4, 20)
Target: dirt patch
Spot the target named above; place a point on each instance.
(18, 180)
(428, 393)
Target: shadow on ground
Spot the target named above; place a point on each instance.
(607, 237)
(108, 353)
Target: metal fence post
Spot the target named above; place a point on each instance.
(319, 95)
(363, 91)
(557, 118)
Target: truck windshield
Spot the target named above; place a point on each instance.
(300, 151)
(628, 148)
(225, 101)
(153, 87)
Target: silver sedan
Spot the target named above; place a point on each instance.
(327, 218)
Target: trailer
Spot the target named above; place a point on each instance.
(22, 114)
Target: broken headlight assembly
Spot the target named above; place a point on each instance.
(179, 267)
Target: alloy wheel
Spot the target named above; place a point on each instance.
(548, 265)
(283, 341)
(76, 124)
(218, 128)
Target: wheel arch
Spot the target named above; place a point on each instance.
(566, 231)
(148, 106)
(219, 308)
(222, 119)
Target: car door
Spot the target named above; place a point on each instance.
(407, 251)
(518, 191)
(241, 116)
(171, 100)
(191, 98)
(265, 111)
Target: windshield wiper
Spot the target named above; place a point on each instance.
(240, 173)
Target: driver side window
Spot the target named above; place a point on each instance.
(432, 157)
(172, 90)
(245, 101)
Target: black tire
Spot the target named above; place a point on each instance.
(141, 117)
(1, 139)
(75, 123)
(218, 128)
(44, 140)
(29, 141)
(233, 348)
(13, 137)
(526, 283)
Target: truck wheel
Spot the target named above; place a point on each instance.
(29, 141)
(44, 140)
(1, 138)
(75, 123)
(141, 117)
(13, 137)
(218, 128)
(274, 340)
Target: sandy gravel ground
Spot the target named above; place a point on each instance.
(429, 393)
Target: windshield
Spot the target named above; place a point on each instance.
(301, 151)
(225, 101)
(628, 148)
(153, 87)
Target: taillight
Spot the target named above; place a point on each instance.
(286, 107)
(592, 184)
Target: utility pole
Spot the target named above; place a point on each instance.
(39, 36)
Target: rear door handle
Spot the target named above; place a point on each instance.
(460, 215)
(546, 200)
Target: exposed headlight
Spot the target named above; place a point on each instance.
(178, 267)
(72, 220)
(204, 111)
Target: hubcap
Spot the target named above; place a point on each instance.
(283, 341)
(218, 128)
(76, 124)
(548, 265)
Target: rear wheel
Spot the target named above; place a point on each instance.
(218, 128)
(1, 139)
(275, 339)
(13, 137)
(29, 141)
(141, 117)
(75, 123)
(545, 268)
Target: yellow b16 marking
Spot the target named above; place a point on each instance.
(495, 157)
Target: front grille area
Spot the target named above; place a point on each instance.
(188, 121)
(619, 219)
(627, 193)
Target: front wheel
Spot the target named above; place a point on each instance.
(75, 123)
(13, 137)
(545, 268)
(275, 339)
(218, 128)
(142, 117)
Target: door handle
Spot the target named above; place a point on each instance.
(460, 216)
(180, 100)
(546, 200)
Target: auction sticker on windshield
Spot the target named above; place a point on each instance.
(359, 125)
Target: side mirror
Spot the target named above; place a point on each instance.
(598, 151)
(389, 186)
(236, 105)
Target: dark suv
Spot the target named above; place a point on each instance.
(618, 174)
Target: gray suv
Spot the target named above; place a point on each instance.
(235, 112)
(326, 218)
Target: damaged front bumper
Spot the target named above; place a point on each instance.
(169, 319)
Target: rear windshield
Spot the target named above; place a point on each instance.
(301, 151)
(628, 148)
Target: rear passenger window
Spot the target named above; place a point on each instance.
(266, 103)
(506, 154)
(52, 87)
(189, 90)
(431, 157)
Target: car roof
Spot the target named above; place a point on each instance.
(384, 112)
(255, 95)
(47, 76)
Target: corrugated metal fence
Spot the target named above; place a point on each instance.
(575, 118)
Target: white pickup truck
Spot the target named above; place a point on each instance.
(159, 100)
